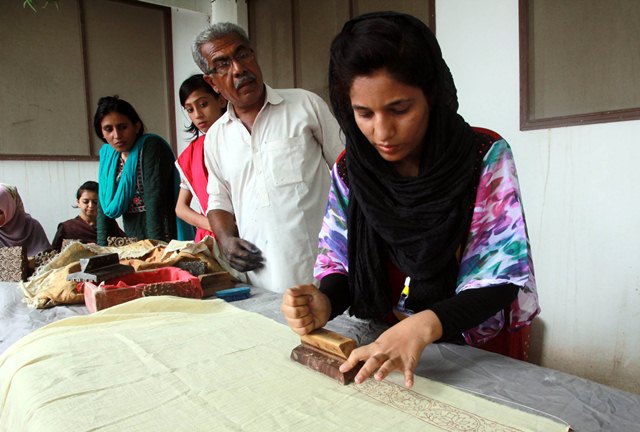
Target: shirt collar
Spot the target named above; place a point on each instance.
(272, 97)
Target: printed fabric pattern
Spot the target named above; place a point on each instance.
(497, 249)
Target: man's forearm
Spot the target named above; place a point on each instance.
(223, 224)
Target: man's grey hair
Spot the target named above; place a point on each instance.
(211, 33)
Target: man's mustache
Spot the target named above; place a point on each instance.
(247, 77)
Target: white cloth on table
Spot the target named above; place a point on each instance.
(173, 364)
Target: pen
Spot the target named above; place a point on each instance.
(405, 293)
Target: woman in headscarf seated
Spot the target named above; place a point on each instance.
(83, 226)
(424, 227)
(17, 227)
(137, 176)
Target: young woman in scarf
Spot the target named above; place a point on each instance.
(203, 106)
(17, 227)
(83, 226)
(137, 177)
(417, 193)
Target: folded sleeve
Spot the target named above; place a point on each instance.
(497, 251)
(332, 242)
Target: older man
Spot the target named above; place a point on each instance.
(268, 159)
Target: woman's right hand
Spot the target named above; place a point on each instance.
(305, 308)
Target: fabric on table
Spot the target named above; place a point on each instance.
(163, 363)
(50, 287)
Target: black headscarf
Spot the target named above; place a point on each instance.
(417, 222)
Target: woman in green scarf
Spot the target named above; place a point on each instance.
(138, 179)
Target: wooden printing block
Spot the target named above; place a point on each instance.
(120, 241)
(324, 363)
(196, 268)
(13, 264)
(103, 299)
(213, 282)
(173, 288)
(324, 351)
(98, 262)
(67, 242)
(100, 268)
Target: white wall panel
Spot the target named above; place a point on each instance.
(580, 191)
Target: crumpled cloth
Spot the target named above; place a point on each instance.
(50, 287)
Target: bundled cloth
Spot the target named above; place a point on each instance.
(50, 287)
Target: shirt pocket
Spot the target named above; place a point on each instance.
(284, 159)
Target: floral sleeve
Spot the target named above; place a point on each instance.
(497, 249)
(332, 246)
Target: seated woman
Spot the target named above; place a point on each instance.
(137, 176)
(17, 227)
(417, 193)
(83, 226)
(204, 106)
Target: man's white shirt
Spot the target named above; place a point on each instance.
(275, 180)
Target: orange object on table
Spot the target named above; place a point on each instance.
(162, 281)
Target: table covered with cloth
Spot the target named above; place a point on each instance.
(178, 364)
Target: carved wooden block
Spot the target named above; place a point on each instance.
(196, 268)
(100, 268)
(120, 241)
(44, 257)
(13, 264)
(67, 242)
(324, 363)
(214, 282)
(177, 288)
(96, 299)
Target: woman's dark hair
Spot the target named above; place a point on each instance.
(90, 186)
(191, 84)
(86, 186)
(368, 44)
(109, 104)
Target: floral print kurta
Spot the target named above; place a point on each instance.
(497, 249)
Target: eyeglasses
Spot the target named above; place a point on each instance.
(223, 65)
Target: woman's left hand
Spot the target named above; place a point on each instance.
(398, 348)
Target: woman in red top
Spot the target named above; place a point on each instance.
(203, 106)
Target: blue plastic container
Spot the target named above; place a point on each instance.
(233, 294)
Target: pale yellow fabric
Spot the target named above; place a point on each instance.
(170, 364)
